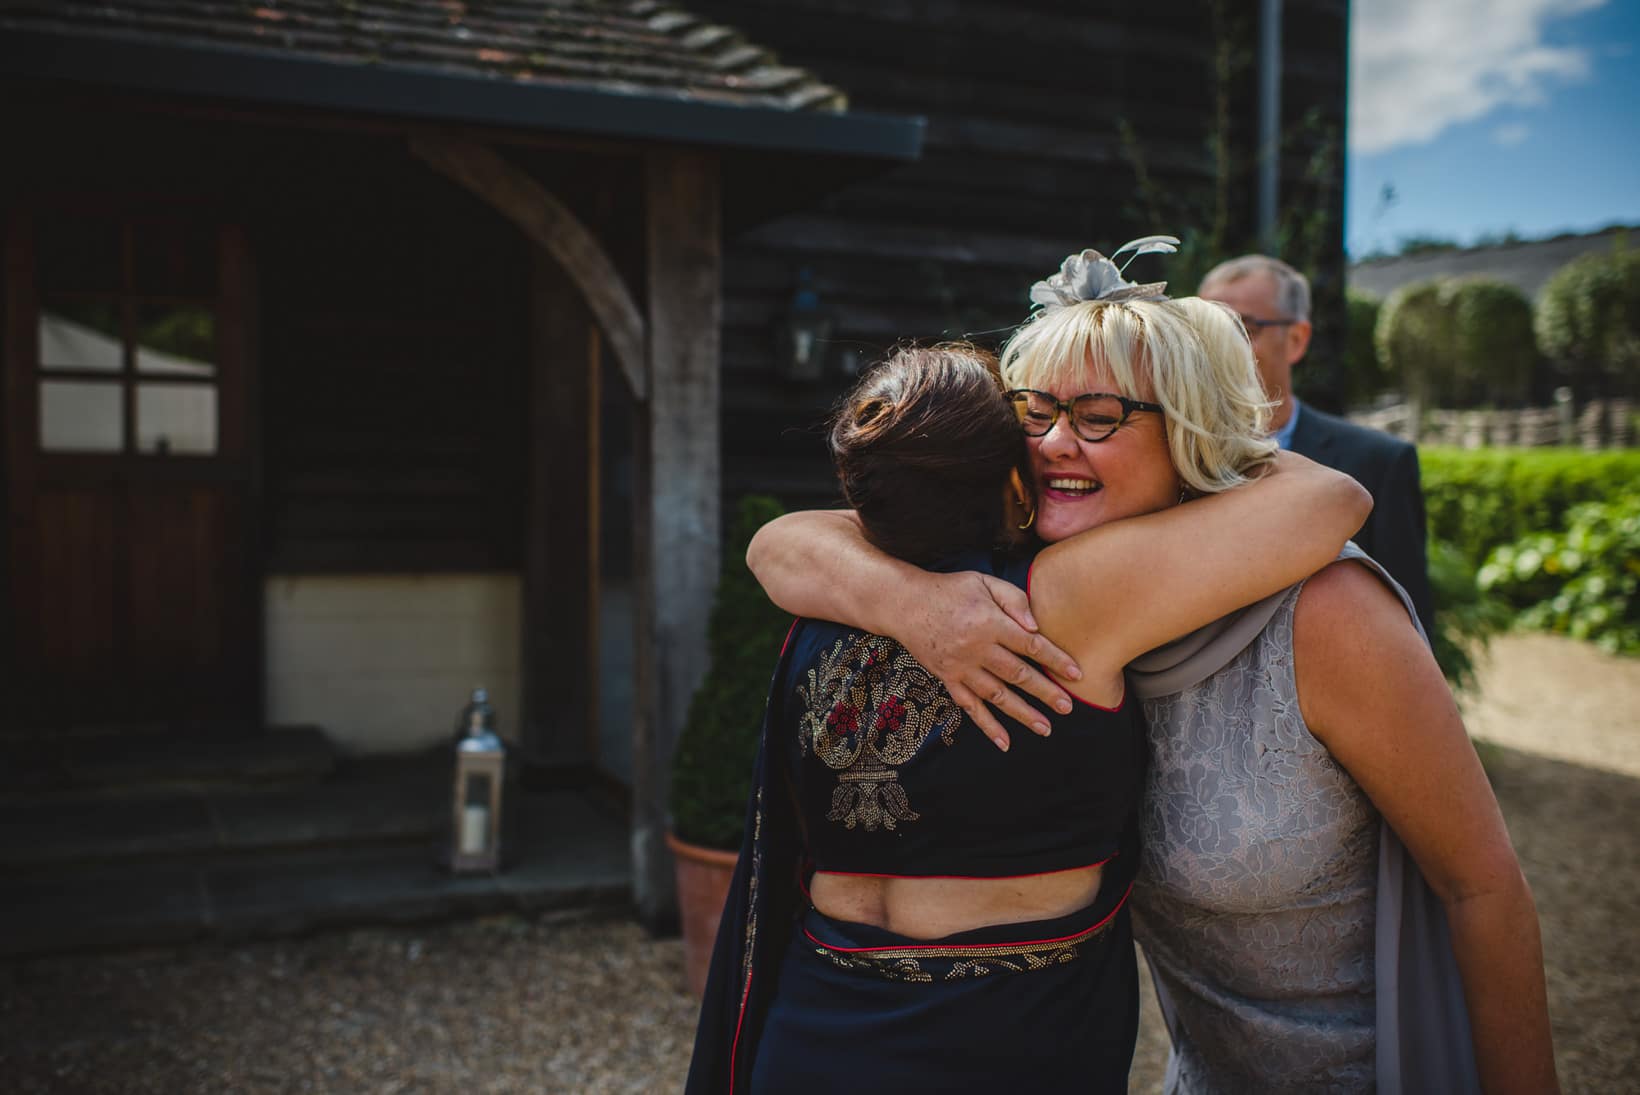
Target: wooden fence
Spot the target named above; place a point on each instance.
(1600, 424)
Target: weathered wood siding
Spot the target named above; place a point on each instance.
(1024, 162)
(395, 354)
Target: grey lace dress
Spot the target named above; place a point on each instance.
(1261, 900)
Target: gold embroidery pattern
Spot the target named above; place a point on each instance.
(900, 969)
(961, 963)
(751, 894)
(868, 707)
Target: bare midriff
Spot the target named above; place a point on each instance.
(929, 908)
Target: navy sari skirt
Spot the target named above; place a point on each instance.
(1047, 1006)
(798, 1003)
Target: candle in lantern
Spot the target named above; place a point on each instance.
(475, 829)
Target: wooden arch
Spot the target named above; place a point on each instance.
(549, 223)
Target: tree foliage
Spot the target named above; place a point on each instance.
(1415, 338)
(1458, 342)
(1493, 346)
(1364, 374)
(1588, 317)
(1426, 245)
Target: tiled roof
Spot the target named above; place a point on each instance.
(631, 47)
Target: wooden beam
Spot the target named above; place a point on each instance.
(560, 622)
(676, 492)
(548, 222)
(20, 654)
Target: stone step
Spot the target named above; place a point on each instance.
(573, 854)
(137, 758)
(64, 830)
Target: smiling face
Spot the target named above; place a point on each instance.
(1190, 356)
(1083, 484)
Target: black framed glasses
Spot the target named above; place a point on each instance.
(1094, 416)
(1254, 323)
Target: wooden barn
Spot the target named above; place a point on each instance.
(356, 354)
(1052, 125)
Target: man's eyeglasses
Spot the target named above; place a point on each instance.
(1255, 324)
(1094, 416)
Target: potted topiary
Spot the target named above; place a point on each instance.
(712, 763)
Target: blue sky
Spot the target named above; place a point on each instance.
(1489, 116)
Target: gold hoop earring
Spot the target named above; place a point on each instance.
(1029, 521)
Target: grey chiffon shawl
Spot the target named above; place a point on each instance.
(1422, 1037)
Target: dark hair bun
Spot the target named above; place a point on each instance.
(923, 446)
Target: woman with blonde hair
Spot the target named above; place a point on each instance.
(1308, 770)
(912, 910)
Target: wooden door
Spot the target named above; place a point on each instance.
(134, 595)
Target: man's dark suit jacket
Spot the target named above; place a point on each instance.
(1388, 468)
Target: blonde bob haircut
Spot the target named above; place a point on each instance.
(1191, 356)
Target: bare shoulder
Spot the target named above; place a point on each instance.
(1345, 599)
(1354, 645)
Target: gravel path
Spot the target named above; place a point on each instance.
(496, 1006)
(572, 1006)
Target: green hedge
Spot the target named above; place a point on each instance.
(1583, 581)
(1465, 618)
(1479, 500)
(712, 764)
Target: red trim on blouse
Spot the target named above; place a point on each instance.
(790, 631)
(948, 946)
(1121, 703)
(966, 877)
(1029, 573)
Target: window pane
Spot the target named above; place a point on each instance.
(82, 334)
(81, 416)
(175, 257)
(176, 418)
(77, 254)
(176, 339)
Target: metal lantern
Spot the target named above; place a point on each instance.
(804, 334)
(475, 822)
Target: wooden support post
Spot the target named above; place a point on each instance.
(560, 617)
(676, 491)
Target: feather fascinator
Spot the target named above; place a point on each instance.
(1091, 276)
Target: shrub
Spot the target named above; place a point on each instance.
(1465, 619)
(1494, 350)
(1480, 499)
(712, 764)
(1588, 316)
(1364, 374)
(1458, 342)
(1583, 582)
(1415, 339)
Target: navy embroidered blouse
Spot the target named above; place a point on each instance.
(892, 778)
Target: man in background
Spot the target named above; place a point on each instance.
(1273, 301)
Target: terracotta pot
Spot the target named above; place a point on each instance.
(703, 886)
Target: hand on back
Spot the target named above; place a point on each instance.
(974, 632)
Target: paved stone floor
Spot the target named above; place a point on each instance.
(511, 1004)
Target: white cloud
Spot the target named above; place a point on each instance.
(1511, 133)
(1421, 66)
